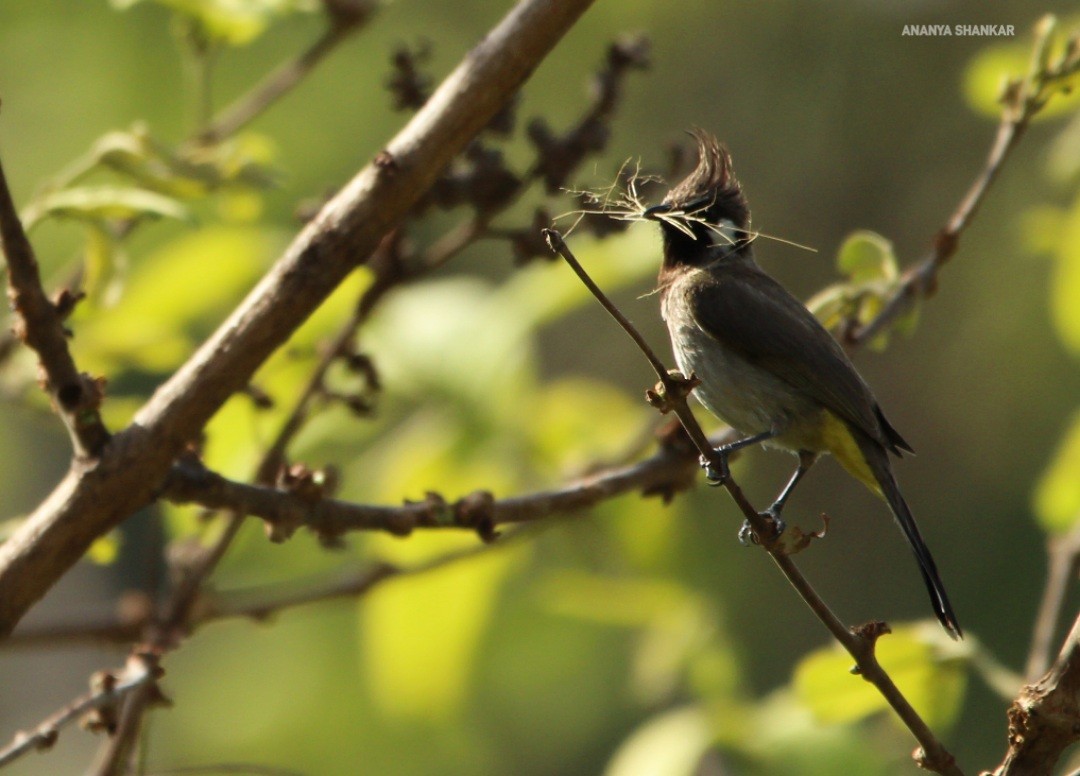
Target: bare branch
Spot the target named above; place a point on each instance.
(668, 471)
(91, 500)
(40, 324)
(1042, 720)
(139, 673)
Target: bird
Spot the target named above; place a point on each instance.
(767, 367)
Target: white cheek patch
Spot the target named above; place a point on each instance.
(725, 234)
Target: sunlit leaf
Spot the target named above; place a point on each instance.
(831, 305)
(104, 549)
(235, 22)
(783, 737)
(669, 744)
(866, 256)
(174, 297)
(190, 171)
(1057, 495)
(994, 65)
(928, 668)
(1065, 283)
(98, 203)
(419, 634)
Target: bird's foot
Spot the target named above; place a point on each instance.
(713, 477)
(776, 527)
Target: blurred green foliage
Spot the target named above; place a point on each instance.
(635, 640)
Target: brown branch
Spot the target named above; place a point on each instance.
(139, 674)
(1043, 719)
(669, 470)
(40, 324)
(93, 499)
(859, 642)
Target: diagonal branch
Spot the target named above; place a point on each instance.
(859, 642)
(91, 500)
(139, 674)
(1022, 99)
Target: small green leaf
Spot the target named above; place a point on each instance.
(100, 203)
(421, 634)
(998, 64)
(1057, 495)
(927, 667)
(831, 305)
(234, 22)
(104, 549)
(1065, 282)
(866, 256)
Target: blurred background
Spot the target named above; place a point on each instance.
(635, 638)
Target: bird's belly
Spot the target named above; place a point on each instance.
(744, 395)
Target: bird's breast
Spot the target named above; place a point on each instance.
(741, 393)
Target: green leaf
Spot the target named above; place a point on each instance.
(100, 203)
(929, 669)
(993, 67)
(866, 256)
(1057, 495)
(234, 22)
(421, 633)
(1065, 282)
(104, 549)
(670, 744)
(174, 297)
(831, 305)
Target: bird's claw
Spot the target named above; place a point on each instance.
(747, 534)
(713, 477)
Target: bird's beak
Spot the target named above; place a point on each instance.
(656, 210)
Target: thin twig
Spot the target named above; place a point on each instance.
(137, 674)
(858, 642)
(40, 324)
(1022, 99)
(278, 83)
(668, 471)
(1063, 553)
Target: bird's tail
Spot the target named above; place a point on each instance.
(878, 461)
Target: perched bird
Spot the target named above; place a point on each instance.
(767, 366)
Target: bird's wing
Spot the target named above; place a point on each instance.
(744, 309)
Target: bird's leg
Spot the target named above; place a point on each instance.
(712, 477)
(806, 460)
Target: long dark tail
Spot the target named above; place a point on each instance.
(878, 460)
